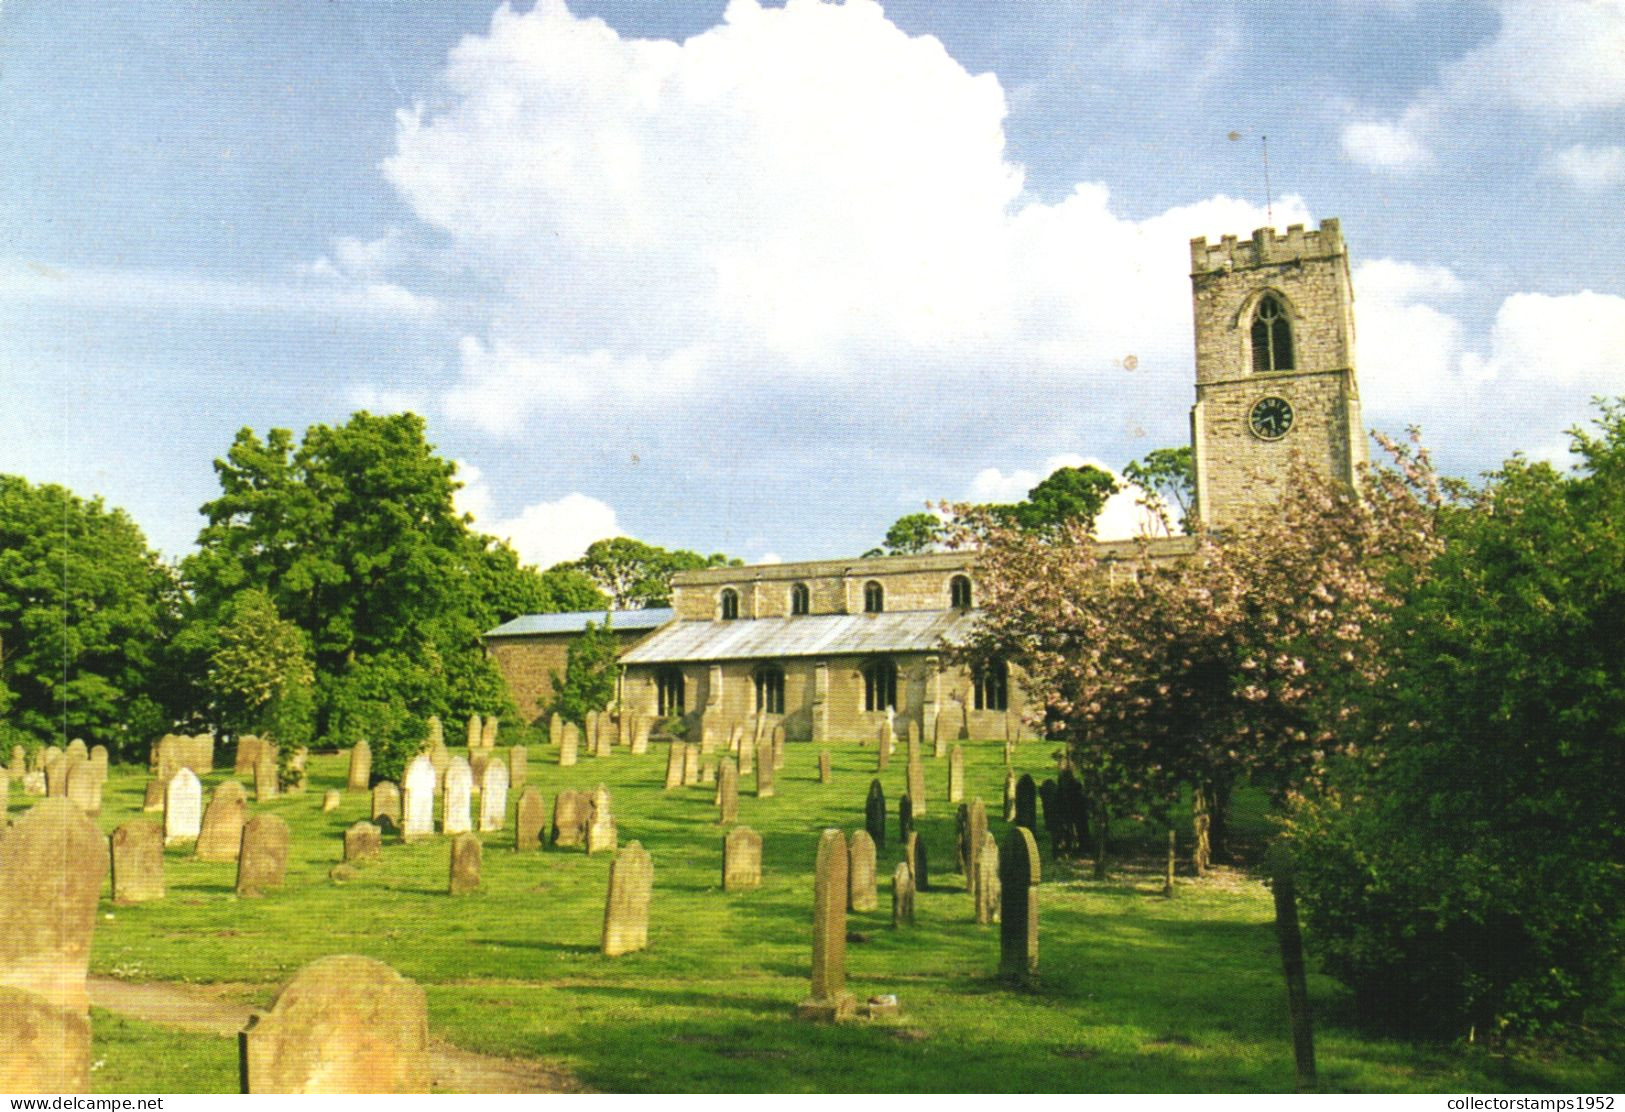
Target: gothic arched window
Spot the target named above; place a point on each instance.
(1272, 336)
(730, 604)
(770, 689)
(993, 687)
(959, 592)
(800, 599)
(879, 685)
(874, 598)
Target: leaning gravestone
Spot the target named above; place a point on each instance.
(861, 873)
(465, 864)
(956, 775)
(183, 808)
(1026, 802)
(674, 765)
(344, 1024)
(829, 999)
(823, 766)
(764, 770)
(417, 800)
(601, 825)
(360, 767)
(741, 860)
(220, 835)
(53, 862)
(987, 889)
(262, 863)
(874, 813)
(728, 793)
(626, 909)
(916, 786)
(138, 863)
(1018, 910)
(518, 767)
(363, 842)
(914, 854)
(494, 796)
(386, 806)
(529, 819)
(902, 896)
(569, 745)
(454, 808)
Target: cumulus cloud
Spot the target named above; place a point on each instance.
(1121, 518)
(1590, 168)
(1395, 146)
(806, 189)
(543, 533)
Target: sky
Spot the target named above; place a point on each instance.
(761, 278)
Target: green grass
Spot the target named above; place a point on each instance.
(1137, 992)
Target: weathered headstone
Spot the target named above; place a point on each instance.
(1018, 909)
(741, 859)
(1026, 802)
(417, 799)
(478, 758)
(56, 776)
(138, 863)
(440, 760)
(77, 748)
(455, 814)
(902, 896)
(589, 731)
(529, 819)
(152, 801)
(84, 784)
(220, 836)
(266, 784)
(674, 765)
(183, 808)
(436, 732)
(747, 760)
(360, 767)
(888, 733)
(19, 762)
(764, 770)
(691, 765)
(956, 775)
(737, 739)
(248, 754)
(331, 799)
(296, 770)
(823, 766)
(641, 726)
(344, 1024)
(363, 842)
(494, 796)
(518, 767)
(914, 854)
(572, 812)
(874, 813)
(386, 806)
(778, 747)
(987, 891)
(829, 999)
(913, 739)
(475, 728)
(1049, 796)
(488, 732)
(1009, 796)
(905, 819)
(53, 862)
(728, 793)
(939, 735)
(262, 863)
(883, 749)
(708, 772)
(98, 760)
(916, 786)
(601, 824)
(861, 873)
(604, 736)
(975, 827)
(626, 908)
(569, 745)
(1075, 809)
(555, 729)
(465, 864)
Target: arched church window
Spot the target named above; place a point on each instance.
(1272, 336)
(800, 599)
(669, 691)
(730, 604)
(993, 686)
(770, 689)
(959, 592)
(874, 598)
(879, 685)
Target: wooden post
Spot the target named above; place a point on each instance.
(1297, 988)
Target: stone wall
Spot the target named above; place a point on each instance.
(834, 586)
(527, 663)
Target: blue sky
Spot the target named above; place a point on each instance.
(761, 279)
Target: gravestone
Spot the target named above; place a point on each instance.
(529, 819)
(1018, 907)
(571, 812)
(626, 908)
(737, 739)
(674, 765)
(962, 843)
(386, 806)
(494, 796)
(262, 863)
(902, 896)
(569, 746)
(1049, 797)
(914, 854)
(623, 728)
(53, 861)
(747, 760)
(728, 794)
(829, 999)
(589, 731)
(905, 819)
(1075, 808)
(477, 760)
(916, 786)
(518, 767)
(975, 829)
(363, 842)
(1009, 796)
(555, 729)
(465, 864)
(266, 785)
(939, 735)
(85, 785)
(778, 747)
(473, 732)
(436, 732)
(882, 749)
(691, 765)
(220, 836)
(153, 799)
(183, 808)
(488, 733)
(764, 770)
(417, 800)
(861, 873)
(741, 859)
(56, 776)
(138, 863)
(248, 755)
(1026, 803)
(455, 815)
(874, 813)
(77, 748)
(296, 769)
(601, 824)
(956, 775)
(987, 891)
(888, 734)
(604, 735)
(642, 725)
(34, 784)
(98, 760)
(331, 799)
(440, 760)
(913, 740)
(19, 762)
(708, 772)
(823, 766)
(344, 1024)
(360, 767)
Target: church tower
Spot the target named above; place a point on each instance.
(1274, 369)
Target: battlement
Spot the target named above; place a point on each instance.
(1267, 247)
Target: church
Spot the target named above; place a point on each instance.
(832, 649)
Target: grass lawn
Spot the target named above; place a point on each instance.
(1137, 993)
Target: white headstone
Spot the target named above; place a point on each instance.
(183, 808)
(454, 809)
(494, 796)
(417, 799)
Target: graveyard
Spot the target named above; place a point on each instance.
(1132, 990)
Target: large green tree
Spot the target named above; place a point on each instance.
(85, 610)
(1168, 477)
(636, 575)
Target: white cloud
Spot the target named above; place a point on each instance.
(1571, 345)
(1591, 168)
(543, 533)
(1385, 146)
(1121, 518)
(376, 399)
(805, 189)
(1407, 347)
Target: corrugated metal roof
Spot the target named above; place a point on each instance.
(805, 635)
(575, 621)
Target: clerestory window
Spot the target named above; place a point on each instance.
(1272, 336)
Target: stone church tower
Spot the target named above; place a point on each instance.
(1274, 368)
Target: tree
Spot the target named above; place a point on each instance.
(85, 609)
(1167, 475)
(590, 671)
(260, 673)
(1065, 498)
(910, 535)
(636, 575)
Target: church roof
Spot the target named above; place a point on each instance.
(575, 621)
(915, 631)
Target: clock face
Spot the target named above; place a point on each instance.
(1271, 418)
